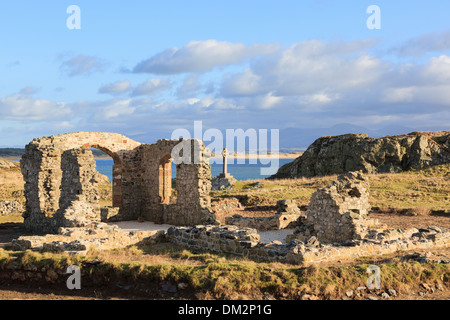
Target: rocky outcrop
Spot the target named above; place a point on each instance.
(359, 152)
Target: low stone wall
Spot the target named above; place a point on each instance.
(245, 242)
(99, 236)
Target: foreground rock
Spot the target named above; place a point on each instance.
(354, 152)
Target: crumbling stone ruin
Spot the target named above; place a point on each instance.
(336, 227)
(339, 212)
(61, 181)
(62, 199)
(287, 216)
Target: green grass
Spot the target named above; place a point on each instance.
(225, 277)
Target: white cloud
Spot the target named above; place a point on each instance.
(114, 109)
(435, 41)
(246, 83)
(190, 86)
(115, 87)
(152, 86)
(308, 68)
(201, 56)
(82, 64)
(23, 107)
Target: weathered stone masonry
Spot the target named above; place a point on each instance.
(61, 184)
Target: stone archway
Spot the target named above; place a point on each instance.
(48, 160)
(60, 187)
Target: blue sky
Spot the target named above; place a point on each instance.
(145, 68)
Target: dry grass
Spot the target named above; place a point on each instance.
(11, 185)
(424, 189)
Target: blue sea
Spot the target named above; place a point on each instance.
(240, 172)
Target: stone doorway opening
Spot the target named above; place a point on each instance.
(167, 189)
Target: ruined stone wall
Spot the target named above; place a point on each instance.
(79, 199)
(59, 174)
(190, 202)
(287, 216)
(338, 212)
(245, 242)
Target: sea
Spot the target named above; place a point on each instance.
(241, 172)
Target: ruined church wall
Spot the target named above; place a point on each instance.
(338, 212)
(59, 173)
(189, 203)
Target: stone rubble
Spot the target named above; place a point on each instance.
(79, 240)
(336, 227)
(287, 216)
(9, 207)
(245, 242)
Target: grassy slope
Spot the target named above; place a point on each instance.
(429, 188)
(217, 276)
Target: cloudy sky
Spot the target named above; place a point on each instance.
(145, 68)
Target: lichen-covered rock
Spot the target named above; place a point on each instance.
(355, 152)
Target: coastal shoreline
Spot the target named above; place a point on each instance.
(238, 156)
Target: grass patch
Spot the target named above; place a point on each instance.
(230, 278)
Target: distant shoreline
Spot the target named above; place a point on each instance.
(237, 156)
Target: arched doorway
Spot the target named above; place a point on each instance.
(166, 184)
